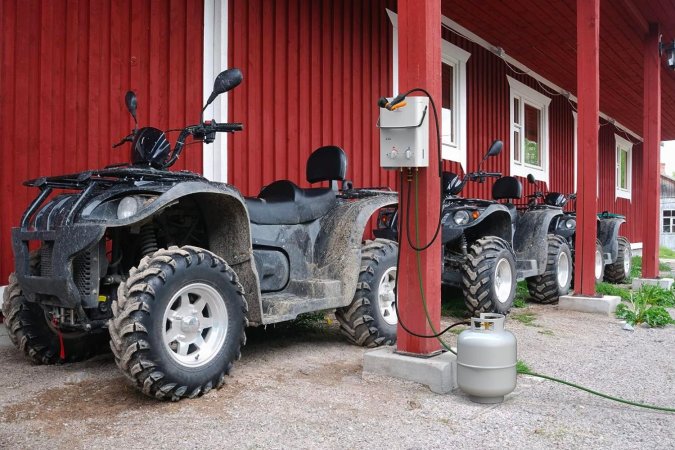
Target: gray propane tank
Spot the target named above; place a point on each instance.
(486, 359)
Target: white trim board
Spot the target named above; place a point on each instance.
(500, 52)
(215, 61)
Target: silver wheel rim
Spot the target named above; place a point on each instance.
(503, 280)
(598, 264)
(626, 261)
(195, 325)
(386, 296)
(563, 269)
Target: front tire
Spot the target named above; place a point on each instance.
(32, 333)
(557, 277)
(371, 319)
(178, 323)
(620, 269)
(489, 277)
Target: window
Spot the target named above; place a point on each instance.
(668, 221)
(529, 131)
(453, 114)
(453, 129)
(624, 167)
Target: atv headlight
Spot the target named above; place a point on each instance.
(571, 223)
(127, 207)
(461, 217)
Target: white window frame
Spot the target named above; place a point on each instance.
(671, 219)
(620, 144)
(457, 58)
(529, 96)
(214, 160)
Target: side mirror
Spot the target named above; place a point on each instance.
(495, 148)
(225, 81)
(531, 179)
(132, 105)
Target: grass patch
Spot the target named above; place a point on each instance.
(522, 294)
(310, 321)
(665, 252)
(522, 367)
(636, 267)
(612, 289)
(526, 318)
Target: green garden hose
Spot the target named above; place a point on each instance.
(521, 370)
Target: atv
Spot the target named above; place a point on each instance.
(174, 267)
(488, 246)
(476, 236)
(612, 253)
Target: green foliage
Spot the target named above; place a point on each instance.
(648, 305)
(310, 321)
(665, 252)
(526, 318)
(519, 301)
(636, 267)
(522, 367)
(612, 289)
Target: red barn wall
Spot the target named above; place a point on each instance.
(313, 71)
(65, 66)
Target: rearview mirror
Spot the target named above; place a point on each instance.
(495, 148)
(132, 104)
(531, 179)
(225, 81)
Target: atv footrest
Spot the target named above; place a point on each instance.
(301, 297)
(526, 268)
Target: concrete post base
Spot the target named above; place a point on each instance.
(438, 372)
(665, 283)
(605, 305)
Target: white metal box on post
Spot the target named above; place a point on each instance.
(404, 135)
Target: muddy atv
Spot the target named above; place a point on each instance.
(476, 236)
(175, 267)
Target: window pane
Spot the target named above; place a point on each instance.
(623, 169)
(532, 136)
(667, 213)
(516, 146)
(448, 99)
(516, 110)
(666, 228)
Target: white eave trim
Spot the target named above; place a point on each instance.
(500, 52)
(215, 61)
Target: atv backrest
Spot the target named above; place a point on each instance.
(507, 188)
(327, 163)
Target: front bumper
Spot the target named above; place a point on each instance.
(70, 261)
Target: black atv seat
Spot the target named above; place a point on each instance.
(284, 203)
(508, 188)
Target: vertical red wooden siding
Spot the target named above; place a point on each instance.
(65, 66)
(313, 71)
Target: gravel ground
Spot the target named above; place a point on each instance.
(298, 387)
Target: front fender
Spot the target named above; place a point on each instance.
(495, 220)
(227, 223)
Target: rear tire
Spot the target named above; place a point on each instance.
(30, 331)
(557, 277)
(489, 277)
(178, 323)
(599, 261)
(371, 319)
(620, 269)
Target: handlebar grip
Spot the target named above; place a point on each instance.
(227, 127)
